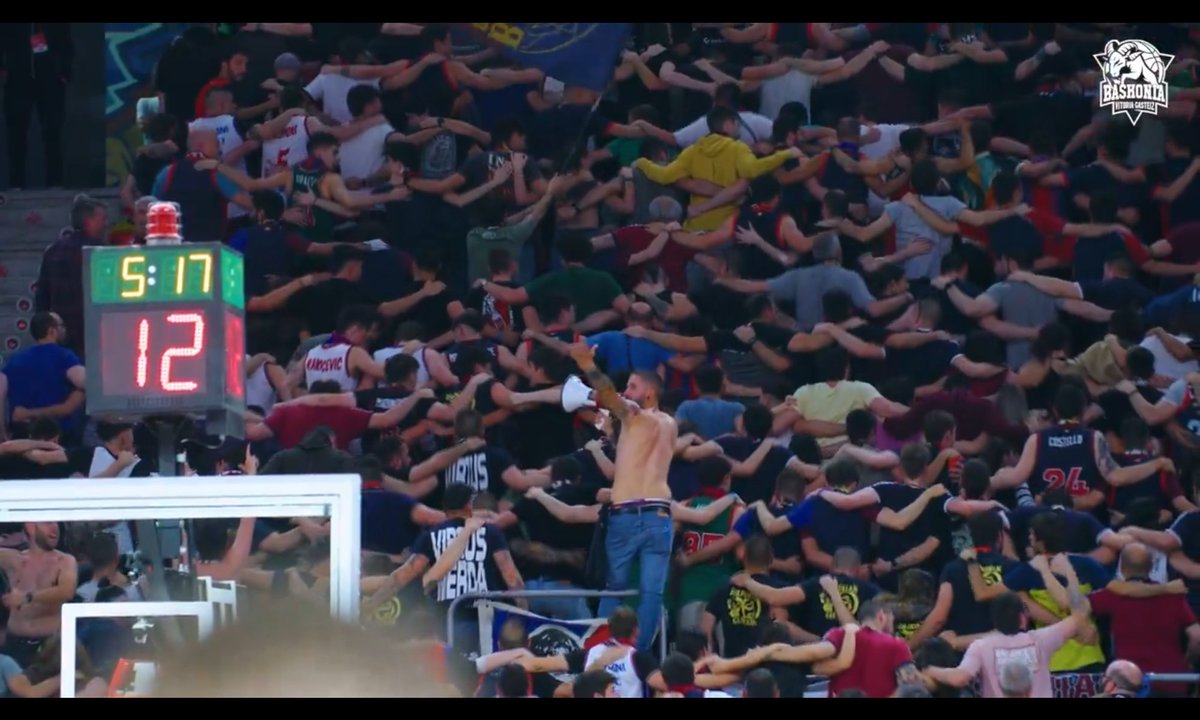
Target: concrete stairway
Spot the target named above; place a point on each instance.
(30, 221)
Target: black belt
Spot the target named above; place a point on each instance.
(640, 506)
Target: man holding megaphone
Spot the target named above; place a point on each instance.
(639, 522)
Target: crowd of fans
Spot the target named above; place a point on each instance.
(926, 316)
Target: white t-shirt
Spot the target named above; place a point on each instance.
(101, 459)
(229, 139)
(629, 685)
(287, 150)
(1158, 567)
(259, 391)
(382, 355)
(1165, 363)
(754, 128)
(362, 155)
(889, 140)
(331, 91)
(794, 86)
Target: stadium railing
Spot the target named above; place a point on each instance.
(544, 594)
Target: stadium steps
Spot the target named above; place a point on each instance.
(30, 221)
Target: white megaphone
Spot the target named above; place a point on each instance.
(576, 395)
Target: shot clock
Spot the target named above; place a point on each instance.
(166, 324)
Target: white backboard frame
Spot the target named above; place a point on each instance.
(194, 497)
(204, 612)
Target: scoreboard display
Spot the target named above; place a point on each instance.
(165, 332)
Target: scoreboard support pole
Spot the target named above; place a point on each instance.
(152, 532)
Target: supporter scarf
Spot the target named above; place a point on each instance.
(686, 690)
(312, 164)
(336, 338)
(196, 156)
(715, 493)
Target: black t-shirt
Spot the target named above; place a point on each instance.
(543, 433)
(431, 311)
(760, 485)
(816, 613)
(181, 71)
(724, 307)
(895, 497)
(1116, 293)
(146, 170)
(741, 615)
(480, 167)
(500, 315)
(742, 366)
(968, 617)
(406, 221)
(790, 678)
(384, 275)
(475, 572)
(543, 527)
(18, 467)
(320, 304)
(382, 399)
(482, 470)
(784, 545)
(1187, 528)
(327, 35)
(865, 369)
(591, 473)
(387, 525)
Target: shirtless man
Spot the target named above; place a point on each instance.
(42, 579)
(639, 525)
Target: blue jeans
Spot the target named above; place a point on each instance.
(645, 535)
(566, 608)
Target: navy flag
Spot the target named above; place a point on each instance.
(577, 54)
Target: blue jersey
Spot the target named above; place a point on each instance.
(1066, 458)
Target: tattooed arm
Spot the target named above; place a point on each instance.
(606, 394)
(1117, 476)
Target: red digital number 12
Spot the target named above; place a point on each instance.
(164, 362)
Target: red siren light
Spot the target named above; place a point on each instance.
(163, 221)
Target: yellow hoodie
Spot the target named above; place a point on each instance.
(718, 159)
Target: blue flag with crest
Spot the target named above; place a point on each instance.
(578, 54)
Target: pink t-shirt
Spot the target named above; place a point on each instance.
(884, 440)
(987, 655)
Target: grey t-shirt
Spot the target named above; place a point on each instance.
(910, 228)
(1022, 304)
(805, 287)
(9, 669)
(439, 156)
(481, 241)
